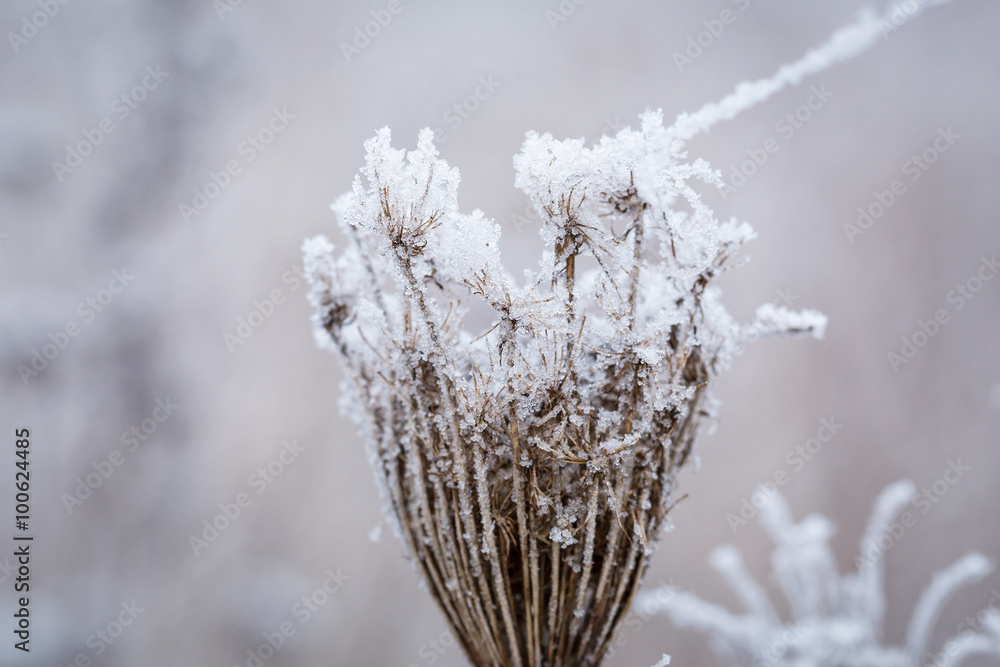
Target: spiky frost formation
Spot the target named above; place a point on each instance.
(836, 620)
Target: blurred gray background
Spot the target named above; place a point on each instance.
(225, 69)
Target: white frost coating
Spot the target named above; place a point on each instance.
(663, 662)
(836, 620)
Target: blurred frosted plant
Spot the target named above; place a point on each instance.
(529, 468)
(836, 620)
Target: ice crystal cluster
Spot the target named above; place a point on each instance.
(528, 468)
(836, 619)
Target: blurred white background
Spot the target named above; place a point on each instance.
(229, 67)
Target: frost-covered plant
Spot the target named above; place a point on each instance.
(836, 619)
(529, 468)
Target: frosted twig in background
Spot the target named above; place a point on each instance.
(836, 620)
(846, 43)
